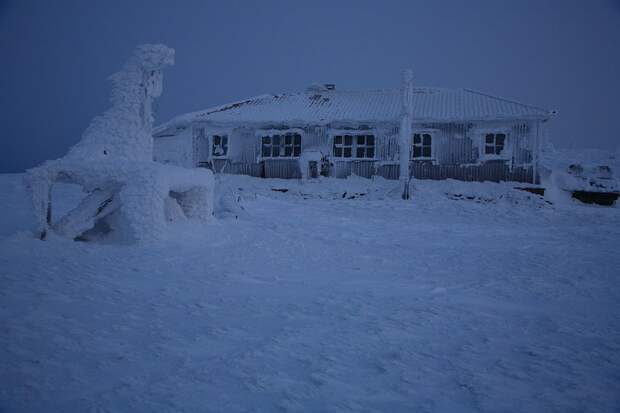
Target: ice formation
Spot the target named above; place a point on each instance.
(129, 196)
(406, 121)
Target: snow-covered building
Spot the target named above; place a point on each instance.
(461, 134)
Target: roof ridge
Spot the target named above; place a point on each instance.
(505, 99)
(439, 103)
(205, 112)
(391, 89)
(337, 91)
(234, 104)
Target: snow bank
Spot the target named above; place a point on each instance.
(427, 193)
(431, 305)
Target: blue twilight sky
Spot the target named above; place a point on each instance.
(56, 56)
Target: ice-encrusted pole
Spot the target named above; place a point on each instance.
(406, 120)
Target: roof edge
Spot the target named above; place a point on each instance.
(546, 111)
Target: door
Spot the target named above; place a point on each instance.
(313, 169)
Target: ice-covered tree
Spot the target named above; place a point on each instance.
(129, 195)
(125, 130)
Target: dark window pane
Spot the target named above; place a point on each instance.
(498, 150)
(347, 152)
(297, 151)
(288, 151)
(266, 151)
(427, 139)
(275, 151)
(276, 139)
(361, 139)
(370, 152)
(297, 139)
(417, 151)
(348, 140)
(370, 140)
(338, 140)
(267, 139)
(490, 138)
(360, 152)
(288, 139)
(416, 138)
(426, 151)
(216, 140)
(489, 149)
(338, 152)
(499, 139)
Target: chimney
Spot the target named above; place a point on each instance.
(321, 87)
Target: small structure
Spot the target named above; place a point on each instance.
(129, 196)
(434, 133)
(590, 185)
(586, 175)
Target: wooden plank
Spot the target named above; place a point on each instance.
(94, 206)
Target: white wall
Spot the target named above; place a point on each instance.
(175, 150)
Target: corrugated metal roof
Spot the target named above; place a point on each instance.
(321, 107)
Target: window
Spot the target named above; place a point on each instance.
(286, 145)
(365, 146)
(354, 146)
(219, 146)
(494, 143)
(422, 146)
(343, 146)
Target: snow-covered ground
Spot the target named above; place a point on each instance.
(471, 297)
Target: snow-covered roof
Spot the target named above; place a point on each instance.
(326, 106)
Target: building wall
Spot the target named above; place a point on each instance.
(175, 150)
(457, 149)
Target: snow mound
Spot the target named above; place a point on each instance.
(427, 193)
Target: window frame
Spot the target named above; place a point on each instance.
(433, 134)
(505, 154)
(354, 144)
(212, 142)
(262, 133)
